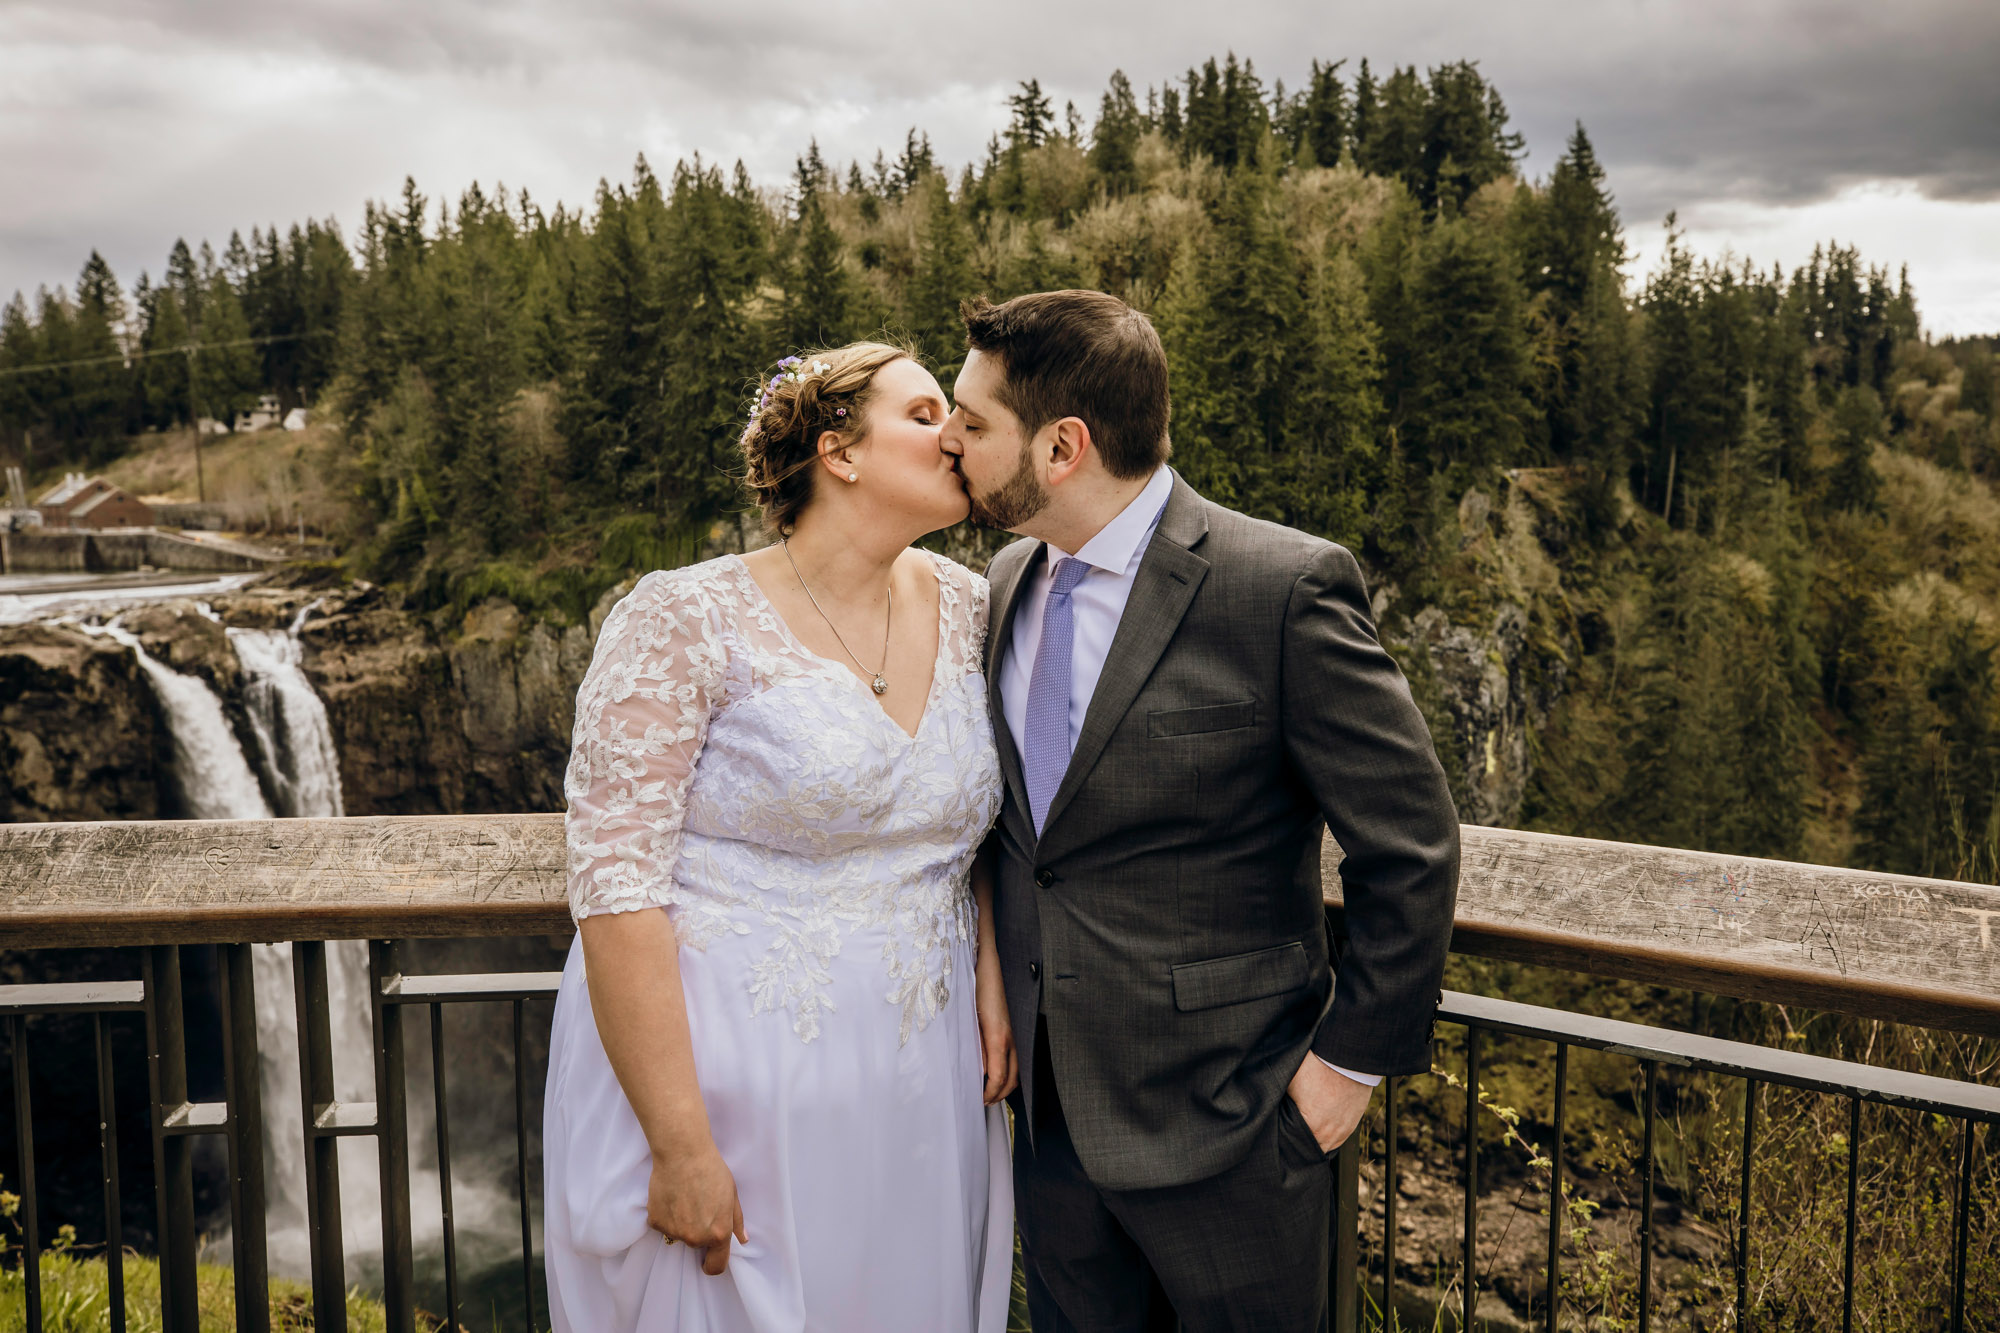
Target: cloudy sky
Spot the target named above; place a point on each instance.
(1768, 124)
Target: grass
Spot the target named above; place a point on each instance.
(267, 480)
(76, 1299)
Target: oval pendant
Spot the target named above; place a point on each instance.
(879, 685)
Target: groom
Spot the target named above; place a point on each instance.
(1182, 697)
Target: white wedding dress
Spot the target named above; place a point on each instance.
(815, 860)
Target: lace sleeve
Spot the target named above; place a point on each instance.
(982, 597)
(964, 596)
(641, 716)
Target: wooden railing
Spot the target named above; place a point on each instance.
(1891, 947)
(1886, 946)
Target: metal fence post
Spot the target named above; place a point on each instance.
(31, 1204)
(173, 1165)
(1344, 1290)
(107, 1142)
(322, 1151)
(242, 1089)
(392, 1142)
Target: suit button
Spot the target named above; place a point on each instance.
(1045, 877)
(1035, 971)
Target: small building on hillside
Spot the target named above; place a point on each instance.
(79, 501)
(295, 419)
(267, 414)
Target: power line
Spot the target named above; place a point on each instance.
(183, 350)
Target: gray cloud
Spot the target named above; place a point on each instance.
(124, 123)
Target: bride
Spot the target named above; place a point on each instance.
(775, 1104)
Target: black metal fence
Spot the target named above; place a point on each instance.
(1970, 1106)
(238, 1120)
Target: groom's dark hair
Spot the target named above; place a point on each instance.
(1080, 354)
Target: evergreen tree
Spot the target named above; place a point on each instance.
(822, 304)
(1115, 141)
(1322, 120)
(1975, 385)
(1172, 126)
(1930, 769)
(943, 278)
(711, 260)
(1463, 405)
(1722, 702)
(1334, 422)
(1032, 118)
(1365, 125)
(1204, 130)
(226, 369)
(915, 163)
(1464, 136)
(1394, 142)
(1571, 251)
(1686, 421)
(477, 361)
(1784, 378)
(19, 351)
(386, 326)
(1226, 116)
(163, 373)
(99, 391)
(1857, 427)
(1596, 421)
(1574, 235)
(613, 410)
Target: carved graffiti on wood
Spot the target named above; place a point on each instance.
(1883, 945)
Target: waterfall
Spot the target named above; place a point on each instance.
(295, 744)
(289, 720)
(295, 749)
(216, 780)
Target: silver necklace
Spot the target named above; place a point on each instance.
(878, 684)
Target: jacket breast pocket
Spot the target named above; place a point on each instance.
(1240, 977)
(1165, 722)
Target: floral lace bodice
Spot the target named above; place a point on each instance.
(722, 770)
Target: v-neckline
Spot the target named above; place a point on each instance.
(798, 645)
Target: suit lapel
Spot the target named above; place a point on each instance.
(1168, 578)
(1005, 598)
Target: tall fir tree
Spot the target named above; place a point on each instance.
(943, 278)
(1114, 143)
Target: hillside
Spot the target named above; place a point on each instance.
(1701, 558)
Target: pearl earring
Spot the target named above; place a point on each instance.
(854, 476)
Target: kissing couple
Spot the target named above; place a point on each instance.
(864, 846)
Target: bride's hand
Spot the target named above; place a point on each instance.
(996, 1033)
(693, 1200)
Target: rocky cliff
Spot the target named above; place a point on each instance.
(445, 719)
(81, 735)
(471, 714)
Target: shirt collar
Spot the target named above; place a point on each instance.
(1112, 549)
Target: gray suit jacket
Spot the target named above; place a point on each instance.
(1167, 926)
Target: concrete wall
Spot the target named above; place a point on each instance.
(92, 552)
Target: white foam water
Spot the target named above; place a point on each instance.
(300, 762)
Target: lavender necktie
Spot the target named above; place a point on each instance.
(1045, 747)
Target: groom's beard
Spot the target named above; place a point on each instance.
(1013, 502)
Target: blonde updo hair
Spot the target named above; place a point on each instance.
(781, 442)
